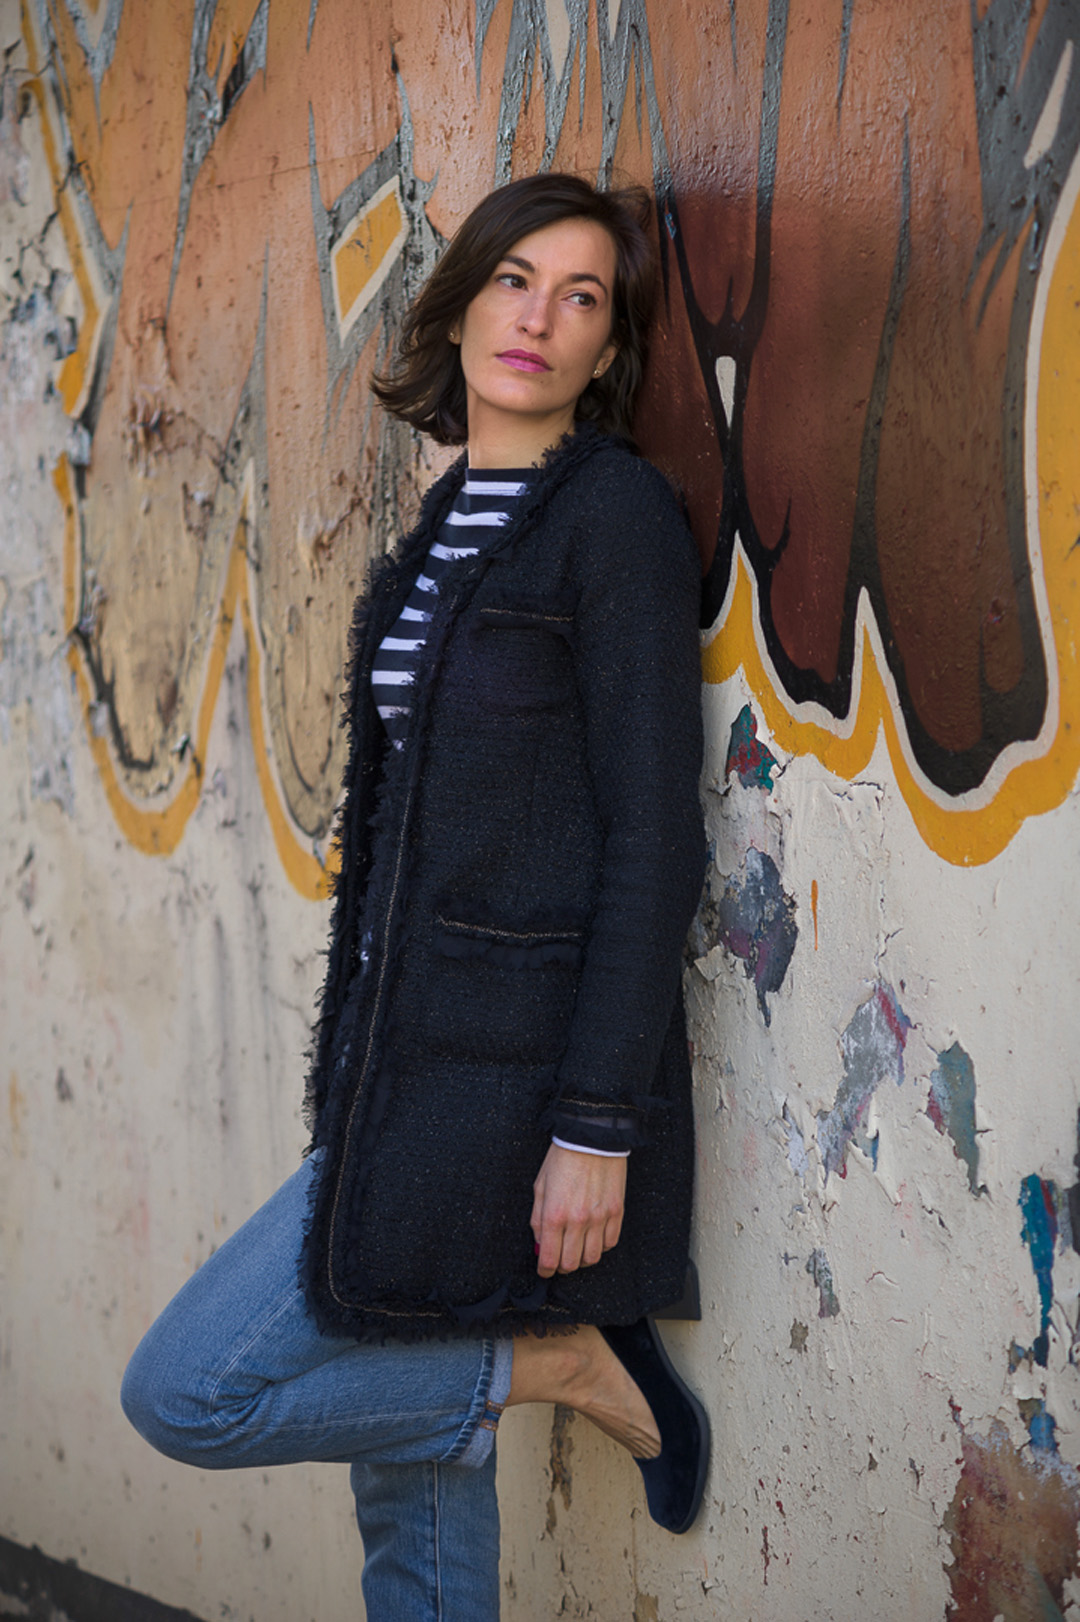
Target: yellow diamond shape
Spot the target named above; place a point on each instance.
(365, 253)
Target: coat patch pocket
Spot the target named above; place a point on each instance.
(520, 656)
(500, 995)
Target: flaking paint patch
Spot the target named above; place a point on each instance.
(14, 160)
(33, 666)
(1041, 1425)
(798, 1159)
(747, 756)
(755, 920)
(1038, 1205)
(562, 1474)
(1012, 1528)
(820, 1270)
(873, 1050)
(951, 1107)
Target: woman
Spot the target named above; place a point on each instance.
(499, 1099)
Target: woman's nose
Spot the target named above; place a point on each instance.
(536, 315)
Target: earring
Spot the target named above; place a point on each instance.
(454, 337)
(598, 372)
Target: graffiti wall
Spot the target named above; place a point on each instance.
(860, 403)
(865, 384)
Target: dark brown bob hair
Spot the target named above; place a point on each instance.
(425, 385)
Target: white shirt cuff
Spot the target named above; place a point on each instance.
(580, 1149)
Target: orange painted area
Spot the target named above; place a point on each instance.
(158, 830)
(225, 40)
(963, 835)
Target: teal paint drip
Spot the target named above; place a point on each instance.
(1039, 1232)
(951, 1107)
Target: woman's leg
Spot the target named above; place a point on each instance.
(431, 1541)
(235, 1372)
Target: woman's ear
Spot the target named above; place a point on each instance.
(453, 332)
(606, 358)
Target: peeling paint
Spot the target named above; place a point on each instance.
(951, 1107)
(1041, 1425)
(873, 1051)
(796, 1145)
(1012, 1527)
(14, 160)
(561, 1451)
(755, 920)
(747, 756)
(821, 1272)
(34, 684)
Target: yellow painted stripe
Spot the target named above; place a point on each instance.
(306, 872)
(75, 371)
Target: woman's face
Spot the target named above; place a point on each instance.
(533, 338)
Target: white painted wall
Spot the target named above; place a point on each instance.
(933, 1283)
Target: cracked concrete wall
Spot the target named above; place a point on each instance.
(867, 383)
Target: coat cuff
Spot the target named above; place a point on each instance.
(596, 1124)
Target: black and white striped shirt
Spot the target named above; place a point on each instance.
(484, 503)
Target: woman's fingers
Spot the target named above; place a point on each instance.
(577, 1209)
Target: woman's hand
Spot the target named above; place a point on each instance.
(577, 1209)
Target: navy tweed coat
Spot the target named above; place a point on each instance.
(507, 933)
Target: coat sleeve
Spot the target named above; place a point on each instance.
(638, 666)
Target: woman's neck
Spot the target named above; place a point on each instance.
(502, 440)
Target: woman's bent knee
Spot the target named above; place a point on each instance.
(163, 1407)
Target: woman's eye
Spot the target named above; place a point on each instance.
(585, 300)
(511, 278)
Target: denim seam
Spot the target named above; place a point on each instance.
(438, 1562)
(222, 1423)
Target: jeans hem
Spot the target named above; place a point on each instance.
(489, 1399)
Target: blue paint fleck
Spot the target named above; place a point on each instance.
(1038, 1205)
(951, 1107)
(756, 921)
(1041, 1428)
(747, 756)
(873, 1050)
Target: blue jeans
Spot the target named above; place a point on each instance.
(235, 1373)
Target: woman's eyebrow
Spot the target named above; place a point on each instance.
(575, 276)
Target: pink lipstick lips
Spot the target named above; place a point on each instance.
(523, 360)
